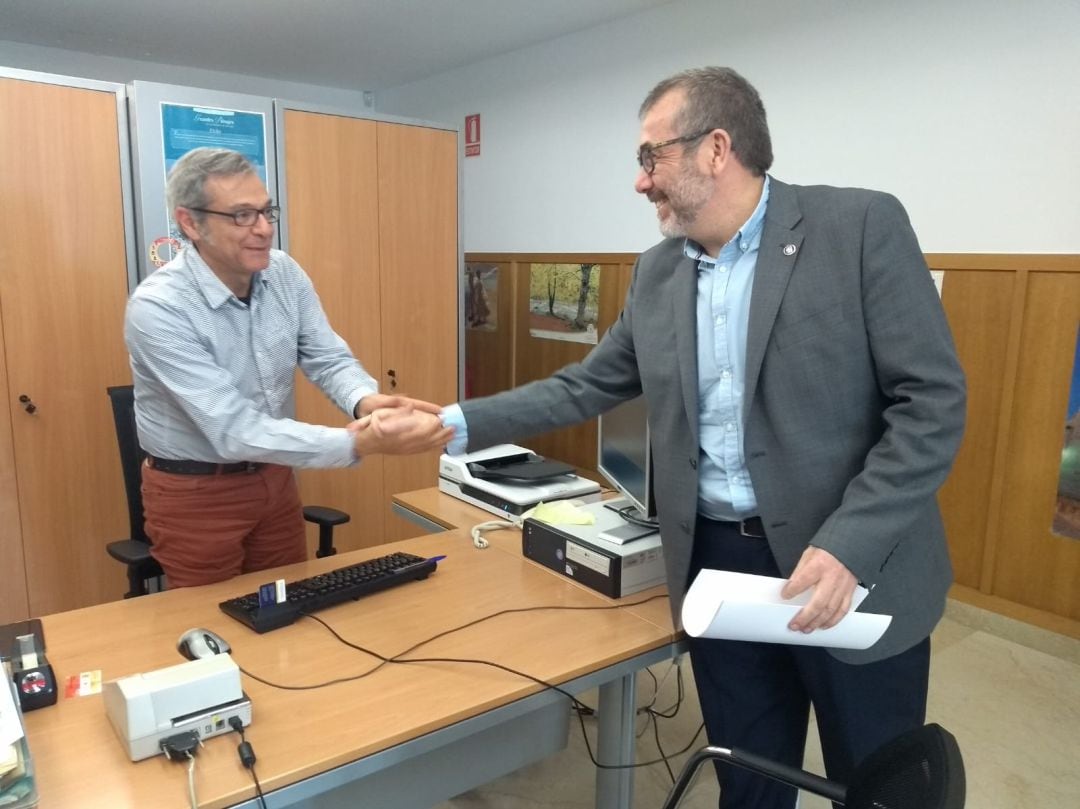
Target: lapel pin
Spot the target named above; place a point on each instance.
(789, 249)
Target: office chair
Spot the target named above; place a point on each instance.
(920, 769)
(135, 552)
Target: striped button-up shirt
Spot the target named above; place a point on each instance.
(214, 377)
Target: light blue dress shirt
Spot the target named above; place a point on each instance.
(214, 378)
(723, 316)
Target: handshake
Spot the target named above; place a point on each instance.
(398, 425)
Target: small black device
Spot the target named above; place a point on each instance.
(23, 643)
(328, 589)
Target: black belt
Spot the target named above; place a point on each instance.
(750, 527)
(176, 467)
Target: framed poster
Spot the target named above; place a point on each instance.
(168, 121)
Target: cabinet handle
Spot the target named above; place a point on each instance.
(393, 378)
(28, 405)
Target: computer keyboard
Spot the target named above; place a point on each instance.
(327, 589)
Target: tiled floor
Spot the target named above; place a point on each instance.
(1009, 692)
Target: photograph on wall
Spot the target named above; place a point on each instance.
(481, 297)
(185, 127)
(1067, 514)
(564, 300)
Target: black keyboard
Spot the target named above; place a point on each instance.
(327, 589)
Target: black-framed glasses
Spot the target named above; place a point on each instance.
(646, 153)
(246, 217)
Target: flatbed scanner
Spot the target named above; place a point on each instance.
(508, 480)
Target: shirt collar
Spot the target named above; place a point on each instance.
(212, 287)
(746, 238)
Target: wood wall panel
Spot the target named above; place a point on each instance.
(330, 169)
(538, 358)
(1014, 319)
(1034, 566)
(978, 305)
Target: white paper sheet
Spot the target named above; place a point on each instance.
(740, 606)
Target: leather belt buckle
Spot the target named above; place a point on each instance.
(752, 527)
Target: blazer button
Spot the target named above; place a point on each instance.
(693, 463)
(685, 526)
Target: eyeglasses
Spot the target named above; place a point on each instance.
(246, 217)
(646, 153)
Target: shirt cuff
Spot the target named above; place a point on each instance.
(452, 416)
(356, 396)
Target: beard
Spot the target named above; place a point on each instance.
(685, 199)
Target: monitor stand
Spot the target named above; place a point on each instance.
(624, 509)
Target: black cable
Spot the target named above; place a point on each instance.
(625, 513)
(247, 757)
(680, 694)
(417, 645)
(399, 658)
(660, 749)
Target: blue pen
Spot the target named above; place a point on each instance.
(437, 559)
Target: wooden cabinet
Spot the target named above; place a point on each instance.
(371, 214)
(63, 287)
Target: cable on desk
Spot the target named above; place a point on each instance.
(247, 757)
(626, 512)
(384, 661)
(400, 659)
(477, 531)
(181, 746)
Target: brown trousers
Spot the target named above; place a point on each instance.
(209, 528)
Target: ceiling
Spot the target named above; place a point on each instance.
(353, 44)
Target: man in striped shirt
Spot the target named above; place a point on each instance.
(215, 338)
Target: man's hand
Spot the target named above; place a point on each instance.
(399, 431)
(379, 401)
(833, 587)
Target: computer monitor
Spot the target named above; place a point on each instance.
(625, 456)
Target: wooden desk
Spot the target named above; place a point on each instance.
(614, 788)
(437, 511)
(392, 739)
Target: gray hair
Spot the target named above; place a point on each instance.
(719, 98)
(186, 186)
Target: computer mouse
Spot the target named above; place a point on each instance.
(198, 642)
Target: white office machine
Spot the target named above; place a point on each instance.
(508, 480)
(199, 696)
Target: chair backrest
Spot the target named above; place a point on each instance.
(131, 455)
(921, 769)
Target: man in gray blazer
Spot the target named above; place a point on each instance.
(805, 404)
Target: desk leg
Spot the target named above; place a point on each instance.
(615, 744)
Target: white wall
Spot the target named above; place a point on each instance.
(968, 110)
(123, 71)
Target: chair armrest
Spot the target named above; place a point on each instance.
(323, 515)
(129, 551)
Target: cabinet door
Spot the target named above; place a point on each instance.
(419, 259)
(332, 214)
(63, 286)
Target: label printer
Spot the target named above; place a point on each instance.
(197, 697)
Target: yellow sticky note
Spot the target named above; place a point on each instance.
(562, 512)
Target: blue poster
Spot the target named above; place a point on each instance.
(185, 128)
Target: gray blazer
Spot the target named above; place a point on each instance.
(854, 406)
